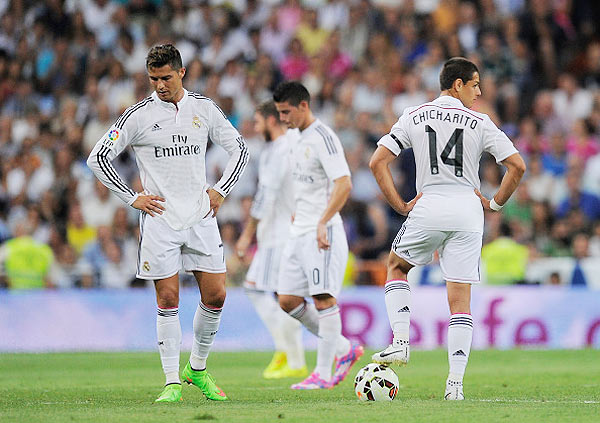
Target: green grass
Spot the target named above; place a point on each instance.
(501, 386)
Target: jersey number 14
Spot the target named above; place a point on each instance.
(455, 142)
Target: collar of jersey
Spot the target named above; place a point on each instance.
(168, 104)
(312, 125)
(447, 99)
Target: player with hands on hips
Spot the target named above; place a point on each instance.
(448, 140)
(169, 133)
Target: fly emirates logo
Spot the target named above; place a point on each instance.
(179, 148)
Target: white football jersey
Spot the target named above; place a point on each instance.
(448, 140)
(169, 142)
(273, 203)
(317, 160)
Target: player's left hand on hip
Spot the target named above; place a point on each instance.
(484, 201)
(216, 200)
(322, 241)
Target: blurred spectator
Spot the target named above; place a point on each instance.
(79, 233)
(295, 64)
(580, 249)
(555, 159)
(540, 183)
(68, 271)
(571, 102)
(26, 261)
(99, 208)
(505, 260)
(582, 145)
(578, 199)
(594, 242)
(591, 175)
(310, 34)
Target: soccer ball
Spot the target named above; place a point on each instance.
(376, 382)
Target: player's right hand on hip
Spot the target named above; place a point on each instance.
(409, 206)
(149, 204)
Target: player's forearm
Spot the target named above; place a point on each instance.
(99, 162)
(384, 179)
(250, 228)
(238, 160)
(515, 170)
(341, 191)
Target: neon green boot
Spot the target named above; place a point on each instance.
(171, 393)
(203, 380)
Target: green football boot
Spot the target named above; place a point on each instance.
(203, 380)
(171, 393)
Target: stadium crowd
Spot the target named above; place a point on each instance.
(69, 68)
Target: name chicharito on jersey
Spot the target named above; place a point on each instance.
(452, 117)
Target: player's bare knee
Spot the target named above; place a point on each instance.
(215, 299)
(289, 302)
(324, 301)
(167, 298)
(398, 267)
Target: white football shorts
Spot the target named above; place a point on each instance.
(459, 251)
(264, 269)
(163, 251)
(307, 271)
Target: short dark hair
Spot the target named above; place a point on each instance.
(291, 91)
(164, 54)
(456, 68)
(267, 108)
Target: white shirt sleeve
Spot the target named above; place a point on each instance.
(397, 139)
(114, 141)
(496, 142)
(222, 132)
(271, 181)
(331, 155)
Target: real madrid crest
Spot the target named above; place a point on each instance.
(146, 266)
(196, 122)
(307, 152)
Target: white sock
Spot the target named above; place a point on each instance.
(292, 335)
(330, 329)
(206, 325)
(168, 333)
(460, 335)
(285, 330)
(270, 313)
(397, 304)
(308, 315)
(342, 346)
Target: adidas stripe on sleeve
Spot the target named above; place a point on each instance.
(223, 133)
(114, 141)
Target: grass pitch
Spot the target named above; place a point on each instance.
(500, 386)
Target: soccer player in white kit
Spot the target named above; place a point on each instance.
(271, 218)
(448, 140)
(315, 256)
(169, 133)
